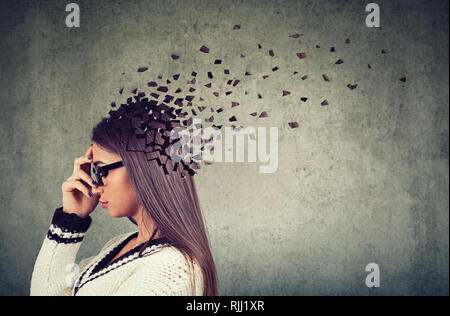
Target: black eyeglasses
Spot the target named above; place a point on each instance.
(100, 172)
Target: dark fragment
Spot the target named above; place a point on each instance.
(324, 102)
(304, 99)
(403, 79)
(263, 114)
(142, 69)
(204, 49)
(301, 55)
(325, 77)
(175, 57)
(293, 124)
(340, 61)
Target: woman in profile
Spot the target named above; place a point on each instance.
(169, 254)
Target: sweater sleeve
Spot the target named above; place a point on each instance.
(55, 269)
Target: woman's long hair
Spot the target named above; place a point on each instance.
(168, 199)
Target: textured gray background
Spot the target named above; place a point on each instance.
(362, 180)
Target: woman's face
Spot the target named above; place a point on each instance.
(117, 189)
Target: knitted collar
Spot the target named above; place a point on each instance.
(102, 265)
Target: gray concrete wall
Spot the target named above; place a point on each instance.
(364, 179)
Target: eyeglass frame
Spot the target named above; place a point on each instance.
(101, 172)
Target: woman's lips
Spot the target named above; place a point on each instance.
(104, 204)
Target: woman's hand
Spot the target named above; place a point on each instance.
(77, 189)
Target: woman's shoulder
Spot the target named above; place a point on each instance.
(166, 263)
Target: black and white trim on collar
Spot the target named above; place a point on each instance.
(102, 266)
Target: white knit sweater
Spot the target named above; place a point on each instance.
(162, 270)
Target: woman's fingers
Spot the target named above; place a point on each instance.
(70, 185)
(82, 175)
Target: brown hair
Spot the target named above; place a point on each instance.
(168, 199)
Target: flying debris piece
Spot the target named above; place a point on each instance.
(286, 93)
(352, 86)
(271, 52)
(242, 56)
(253, 113)
(120, 91)
(304, 77)
(295, 72)
(201, 99)
(304, 99)
(259, 46)
(217, 62)
(325, 77)
(332, 49)
(403, 79)
(265, 76)
(216, 94)
(219, 110)
(134, 91)
(259, 96)
(142, 69)
(208, 85)
(189, 97)
(246, 92)
(324, 102)
(237, 27)
(340, 61)
(383, 51)
(210, 120)
(301, 55)
(155, 95)
(317, 46)
(191, 89)
(369, 66)
(247, 73)
(175, 77)
(233, 104)
(347, 41)
(193, 74)
(226, 71)
(159, 76)
(113, 104)
(152, 84)
(275, 69)
(232, 119)
(204, 49)
(236, 82)
(178, 90)
(228, 93)
(201, 108)
(293, 124)
(168, 81)
(191, 81)
(263, 114)
(174, 57)
(295, 35)
(210, 75)
(162, 89)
